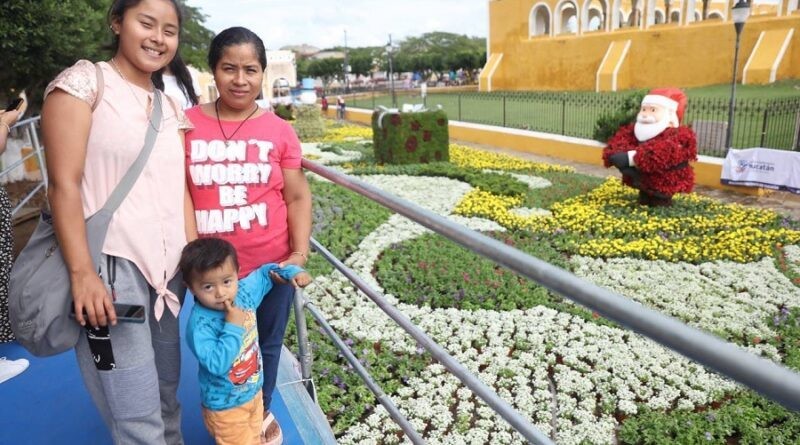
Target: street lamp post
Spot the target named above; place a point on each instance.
(345, 66)
(740, 12)
(389, 49)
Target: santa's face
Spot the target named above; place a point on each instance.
(651, 121)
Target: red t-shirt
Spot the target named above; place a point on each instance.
(237, 187)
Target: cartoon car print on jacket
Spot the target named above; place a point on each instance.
(245, 366)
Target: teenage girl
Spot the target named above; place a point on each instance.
(91, 141)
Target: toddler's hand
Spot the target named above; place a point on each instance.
(233, 314)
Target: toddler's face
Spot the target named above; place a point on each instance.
(212, 287)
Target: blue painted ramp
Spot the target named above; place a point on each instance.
(48, 404)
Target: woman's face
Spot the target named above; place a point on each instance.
(238, 76)
(148, 35)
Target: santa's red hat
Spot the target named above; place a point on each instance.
(671, 98)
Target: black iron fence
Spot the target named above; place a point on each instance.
(768, 123)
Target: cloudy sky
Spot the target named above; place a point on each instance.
(322, 23)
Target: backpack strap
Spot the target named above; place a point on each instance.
(100, 86)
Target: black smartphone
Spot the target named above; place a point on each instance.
(133, 313)
(14, 104)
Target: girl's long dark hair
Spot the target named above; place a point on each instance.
(181, 72)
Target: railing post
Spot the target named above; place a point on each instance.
(37, 148)
(459, 106)
(764, 127)
(797, 131)
(504, 110)
(304, 349)
(564, 114)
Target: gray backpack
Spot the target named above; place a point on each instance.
(40, 295)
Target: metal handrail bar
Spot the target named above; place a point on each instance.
(17, 163)
(27, 198)
(37, 152)
(500, 406)
(381, 396)
(764, 376)
(304, 348)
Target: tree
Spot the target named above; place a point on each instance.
(362, 60)
(39, 38)
(327, 68)
(440, 51)
(195, 37)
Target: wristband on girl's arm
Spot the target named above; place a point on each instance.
(299, 253)
(8, 129)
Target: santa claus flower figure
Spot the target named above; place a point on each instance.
(653, 153)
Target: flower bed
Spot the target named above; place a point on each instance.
(581, 379)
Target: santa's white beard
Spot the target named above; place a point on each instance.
(646, 129)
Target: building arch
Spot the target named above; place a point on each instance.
(655, 15)
(539, 20)
(594, 15)
(675, 17)
(715, 15)
(565, 18)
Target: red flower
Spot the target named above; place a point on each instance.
(411, 144)
(426, 135)
(415, 126)
(396, 120)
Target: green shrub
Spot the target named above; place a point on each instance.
(609, 123)
(410, 138)
(284, 112)
(342, 218)
(308, 122)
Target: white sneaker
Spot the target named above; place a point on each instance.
(11, 368)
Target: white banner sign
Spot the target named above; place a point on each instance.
(762, 167)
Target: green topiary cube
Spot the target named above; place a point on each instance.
(309, 123)
(410, 138)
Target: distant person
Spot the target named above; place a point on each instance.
(423, 89)
(324, 103)
(223, 335)
(340, 108)
(8, 368)
(179, 82)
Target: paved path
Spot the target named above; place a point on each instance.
(782, 202)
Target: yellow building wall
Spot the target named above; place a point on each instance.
(664, 55)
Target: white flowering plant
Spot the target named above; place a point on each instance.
(576, 376)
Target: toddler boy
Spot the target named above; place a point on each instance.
(223, 336)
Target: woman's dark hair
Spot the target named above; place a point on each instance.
(117, 10)
(204, 254)
(178, 69)
(235, 36)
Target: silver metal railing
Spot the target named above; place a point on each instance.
(773, 380)
(29, 125)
